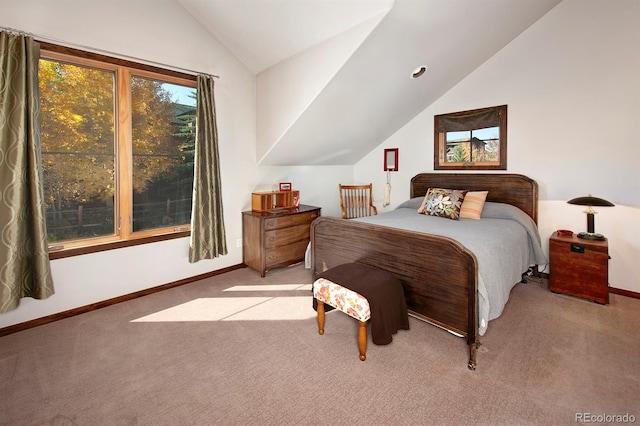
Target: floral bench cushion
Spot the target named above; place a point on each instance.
(348, 301)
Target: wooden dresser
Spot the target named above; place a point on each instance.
(276, 238)
(579, 267)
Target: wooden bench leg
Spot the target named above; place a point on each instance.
(320, 317)
(362, 340)
(362, 330)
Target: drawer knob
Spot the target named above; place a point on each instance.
(272, 239)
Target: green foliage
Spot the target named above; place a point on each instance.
(458, 154)
(78, 110)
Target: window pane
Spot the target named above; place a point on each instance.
(479, 145)
(77, 105)
(486, 144)
(457, 147)
(163, 129)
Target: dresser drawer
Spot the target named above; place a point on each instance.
(289, 220)
(284, 236)
(288, 253)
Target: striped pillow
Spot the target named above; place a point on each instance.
(473, 204)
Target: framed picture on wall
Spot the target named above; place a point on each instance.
(285, 186)
(391, 160)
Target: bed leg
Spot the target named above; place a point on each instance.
(535, 271)
(472, 355)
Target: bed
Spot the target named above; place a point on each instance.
(452, 277)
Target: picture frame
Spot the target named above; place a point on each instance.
(391, 160)
(285, 186)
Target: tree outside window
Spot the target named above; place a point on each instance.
(117, 151)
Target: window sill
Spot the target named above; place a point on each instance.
(87, 249)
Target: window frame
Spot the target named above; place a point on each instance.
(123, 229)
(439, 141)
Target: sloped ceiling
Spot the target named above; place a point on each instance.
(261, 33)
(371, 95)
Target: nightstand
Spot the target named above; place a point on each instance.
(579, 267)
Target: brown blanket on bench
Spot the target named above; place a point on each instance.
(382, 290)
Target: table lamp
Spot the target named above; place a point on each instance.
(590, 202)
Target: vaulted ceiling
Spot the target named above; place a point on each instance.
(333, 77)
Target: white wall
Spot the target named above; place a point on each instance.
(285, 90)
(572, 86)
(161, 31)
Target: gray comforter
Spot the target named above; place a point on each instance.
(505, 242)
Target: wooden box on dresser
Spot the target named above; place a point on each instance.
(579, 267)
(276, 238)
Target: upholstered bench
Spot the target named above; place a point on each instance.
(367, 294)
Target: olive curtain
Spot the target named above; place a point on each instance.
(208, 239)
(24, 255)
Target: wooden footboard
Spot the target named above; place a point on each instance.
(439, 275)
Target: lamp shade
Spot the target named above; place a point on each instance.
(591, 201)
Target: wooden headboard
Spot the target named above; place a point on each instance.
(518, 190)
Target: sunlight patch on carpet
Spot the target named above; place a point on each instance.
(236, 309)
(277, 308)
(270, 287)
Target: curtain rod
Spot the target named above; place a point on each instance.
(105, 52)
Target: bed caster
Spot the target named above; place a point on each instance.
(472, 355)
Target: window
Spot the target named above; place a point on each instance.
(118, 145)
(473, 140)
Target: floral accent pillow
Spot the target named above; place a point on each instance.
(443, 203)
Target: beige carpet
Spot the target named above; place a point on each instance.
(238, 349)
